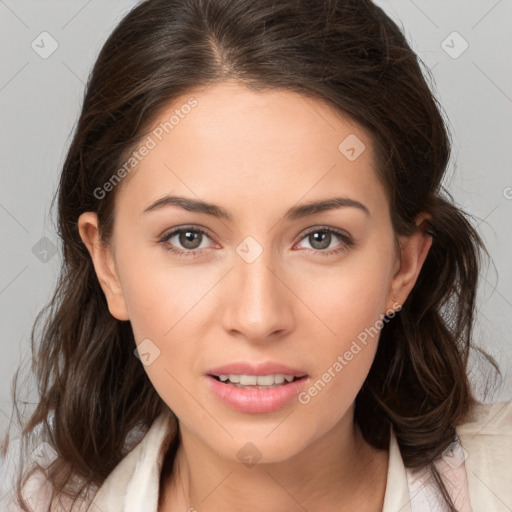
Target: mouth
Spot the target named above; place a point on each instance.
(256, 393)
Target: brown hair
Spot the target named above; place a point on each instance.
(92, 390)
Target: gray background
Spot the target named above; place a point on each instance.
(40, 100)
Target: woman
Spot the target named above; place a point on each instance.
(267, 299)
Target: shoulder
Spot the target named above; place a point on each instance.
(487, 431)
(486, 439)
(475, 468)
(141, 460)
(135, 480)
(38, 495)
(488, 420)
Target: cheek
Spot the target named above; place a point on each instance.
(349, 303)
(350, 297)
(160, 293)
(163, 309)
(167, 304)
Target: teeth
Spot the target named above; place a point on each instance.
(257, 380)
(246, 380)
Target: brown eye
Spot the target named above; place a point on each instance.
(185, 241)
(321, 239)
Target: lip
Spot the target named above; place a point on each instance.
(263, 368)
(256, 400)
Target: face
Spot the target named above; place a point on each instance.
(269, 284)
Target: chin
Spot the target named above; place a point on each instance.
(260, 446)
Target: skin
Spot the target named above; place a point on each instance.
(257, 154)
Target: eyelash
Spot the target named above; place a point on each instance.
(347, 241)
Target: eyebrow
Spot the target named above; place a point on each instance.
(296, 212)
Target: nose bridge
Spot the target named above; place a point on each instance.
(257, 307)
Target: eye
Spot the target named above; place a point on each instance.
(189, 238)
(320, 238)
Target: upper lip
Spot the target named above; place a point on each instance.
(263, 368)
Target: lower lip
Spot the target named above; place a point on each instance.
(256, 400)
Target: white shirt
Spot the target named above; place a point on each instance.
(477, 469)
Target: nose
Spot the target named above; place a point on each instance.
(258, 304)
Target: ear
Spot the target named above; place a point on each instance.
(413, 252)
(104, 265)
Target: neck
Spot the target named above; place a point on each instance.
(339, 471)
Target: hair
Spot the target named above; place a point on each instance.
(349, 54)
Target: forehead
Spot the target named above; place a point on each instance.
(228, 140)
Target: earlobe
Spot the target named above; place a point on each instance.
(413, 250)
(104, 265)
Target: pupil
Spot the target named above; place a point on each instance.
(323, 236)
